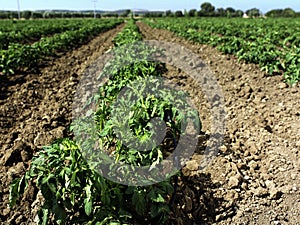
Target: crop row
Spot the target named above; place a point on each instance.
(34, 31)
(274, 45)
(276, 31)
(18, 25)
(20, 57)
(68, 171)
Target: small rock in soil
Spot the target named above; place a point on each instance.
(260, 192)
(233, 182)
(275, 194)
(192, 165)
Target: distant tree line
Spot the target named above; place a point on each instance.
(287, 12)
(206, 10)
(59, 14)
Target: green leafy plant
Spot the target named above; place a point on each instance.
(74, 192)
(33, 30)
(272, 44)
(25, 56)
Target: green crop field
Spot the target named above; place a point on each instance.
(46, 38)
(73, 191)
(274, 44)
(70, 189)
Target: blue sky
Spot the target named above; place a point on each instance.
(263, 5)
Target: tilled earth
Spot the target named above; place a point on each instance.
(254, 179)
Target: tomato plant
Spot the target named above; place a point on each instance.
(271, 43)
(24, 56)
(74, 192)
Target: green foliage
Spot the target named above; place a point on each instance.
(178, 13)
(129, 35)
(26, 14)
(18, 56)
(288, 12)
(291, 64)
(169, 13)
(207, 8)
(126, 13)
(254, 12)
(26, 32)
(273, 44)
(153, 14)
(74, 193)
(192, 12)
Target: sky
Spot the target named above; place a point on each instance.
(263, 5)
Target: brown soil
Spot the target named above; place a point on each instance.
(35, 110)
(253, 180)
(255, 177)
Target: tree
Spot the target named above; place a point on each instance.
(4, 15)
(274, 13)
(13, 15)
(77, 15)
(200, 13)
(178, 13)
(239, 13)
(115, 15)
(230, 12)
(207, 8)
(220, 12)
(153, 14)
(192, 13)
(254, 12)
(288, 12)
(125, 13)
(169, 13)
(36, 15)
(26, 14)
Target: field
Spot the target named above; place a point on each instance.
(253, 178)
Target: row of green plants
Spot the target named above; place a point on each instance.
(273, 44)
(27, 56)
(33, 31)
(67, 172)
(275, 30)
(19, 25)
